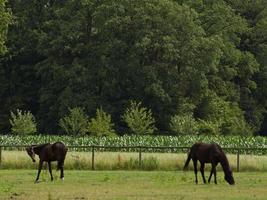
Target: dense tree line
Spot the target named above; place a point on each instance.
(5, 20)
(204, 58)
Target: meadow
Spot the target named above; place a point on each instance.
(119, 176)
(129, 161)
(120, 185)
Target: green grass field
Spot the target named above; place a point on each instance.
(128, 161)
(119, 185)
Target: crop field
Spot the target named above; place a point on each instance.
(19, 184)
(153, 141)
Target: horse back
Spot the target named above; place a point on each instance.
(59, 146)
(59, 149)
(205, 152)
(53, 152)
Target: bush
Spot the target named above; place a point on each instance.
(22, 123)
(183, 124)
(75, 123)
(222, 116)
(139, 119)
(101, 125)
(235, 126)
(208, 127)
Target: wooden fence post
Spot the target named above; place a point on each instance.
(0, 155)
(237, 161)
(140, 157)
(93, 157)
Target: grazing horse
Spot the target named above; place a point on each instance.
(209, 153)
(49, 152)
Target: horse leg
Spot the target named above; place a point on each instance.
(62, 172)
(202, 172)
(50, 170)
(60, 164)
(39, 170)
(195, 170)
(211, 171)
(214, 172)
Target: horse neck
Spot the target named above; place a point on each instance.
(224, 163)
(37, 149)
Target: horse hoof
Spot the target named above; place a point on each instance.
(62, 179)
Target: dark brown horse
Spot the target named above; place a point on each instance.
(48, 153)
(209, 153)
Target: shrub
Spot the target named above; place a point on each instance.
(75, 123)
(208, 127)
(225, 116)
(139, 119)
(183, 124)
(101, 125)
(235, 126)
(22, 123)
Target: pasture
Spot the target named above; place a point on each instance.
(119, 185)
(128, 161)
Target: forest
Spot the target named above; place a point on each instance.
(203, 61)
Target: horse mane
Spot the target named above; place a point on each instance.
(224, 161)
(37, 148)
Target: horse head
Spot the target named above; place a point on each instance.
(31, 153)
(229, 177)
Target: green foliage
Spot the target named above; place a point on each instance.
(139, 119)
(236, 126)
(183, 124)
(75, 123)
(221, 117)
(208, 127)
(23, 123)
(133, 140)
(5, 20)
(101, 125)
(169, 54)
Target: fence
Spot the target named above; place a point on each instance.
(140, 150)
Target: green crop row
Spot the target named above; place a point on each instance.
(154, 141)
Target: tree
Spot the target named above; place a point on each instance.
(183, 124)
(5, 20)
(139, 119)
(254, 41)
(221, 117)
(101, 125)
(23, 123)
(165, 53)
(75, 123)
(20, 84)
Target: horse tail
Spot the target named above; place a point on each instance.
(60, 163)
(187, 160)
